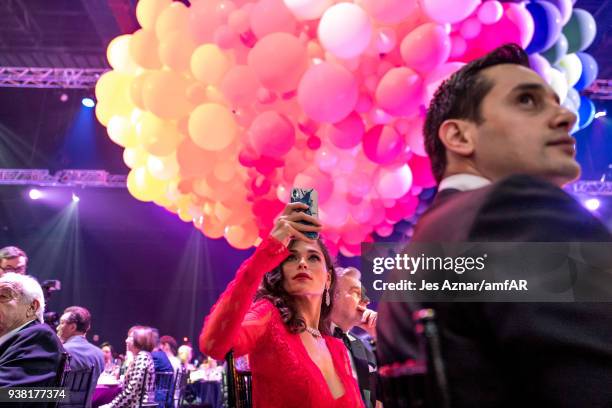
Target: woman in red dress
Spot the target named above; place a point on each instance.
(295, 362)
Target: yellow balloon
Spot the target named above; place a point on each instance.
(136, 88)
(104, 112)
(175, 50)
(173, 17)
(165, 94)
(163, 168)
(209, 64)
(147, 11)
(118, 54)
(158, 137)
(112, 95)
(143, 49)
(121, 131)
(134, 157)
(212, 126)
(143, 186)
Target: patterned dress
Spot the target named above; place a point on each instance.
(129, 397)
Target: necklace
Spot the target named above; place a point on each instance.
(315, 333)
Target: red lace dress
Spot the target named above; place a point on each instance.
(284, 375)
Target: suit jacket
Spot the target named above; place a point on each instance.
(512, 354)
(365, 365)
(30, 358)
(83, 355)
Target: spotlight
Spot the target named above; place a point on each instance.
(75, 198)
(35, 194)
(64, 97)
(88, 102)
(600, 114)
(592, 204)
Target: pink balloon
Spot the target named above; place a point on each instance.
(394, 183)
(448, 11)
(390, 11)
(272, 134)
(382, 144)
(415, 137)
(361, 212)
(400, 92)
(490, 12)
(315, 179)
(470, 28)
(203, 21)
(458, 46)
(421, 171)
(347, 133)
(437, 76)
(327, 92)
(335, 211)
(426, 47)
(326, 159)
(239, 85)
(279, 60)
(271, 16)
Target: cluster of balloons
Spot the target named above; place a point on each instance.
(223, 106)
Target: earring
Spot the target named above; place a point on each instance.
(327, 299)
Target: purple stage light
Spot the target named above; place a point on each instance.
(35, 194)
(75, 198)
(592, 204)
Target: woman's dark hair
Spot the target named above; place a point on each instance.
(461, 96)
(272, 289)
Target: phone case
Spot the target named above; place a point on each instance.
(309, 197)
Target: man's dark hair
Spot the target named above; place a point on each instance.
(460, 97)
(79, 316)
(170, 341)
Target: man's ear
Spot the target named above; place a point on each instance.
(457, 136)
(34, 306)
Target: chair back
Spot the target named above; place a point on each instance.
(164, 388)
(419, 383)
(78, 385)
(180, 386)
(239, 385)
(63, 368)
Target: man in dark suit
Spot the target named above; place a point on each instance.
(349, 311)
(72, 329)
(30, 352)
(500, 148)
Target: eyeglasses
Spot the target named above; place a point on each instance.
(18, 269)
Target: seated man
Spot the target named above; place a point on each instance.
(349, 310)
(30, 352)
(73, 326)
(13, 259)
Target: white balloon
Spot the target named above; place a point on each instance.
(572, 68)
(307, 9)
(558, 83)
(345, 30)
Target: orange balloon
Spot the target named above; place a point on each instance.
(158, 137)
(241, 236)
(165, 94)
(143, 49)
(209, 63)
(147, 11)
(212, 126)
(173, 17)
(175, 50)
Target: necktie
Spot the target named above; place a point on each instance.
(338, 333)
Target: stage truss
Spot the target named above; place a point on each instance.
(101, 178)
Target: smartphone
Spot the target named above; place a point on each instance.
(309, 197)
